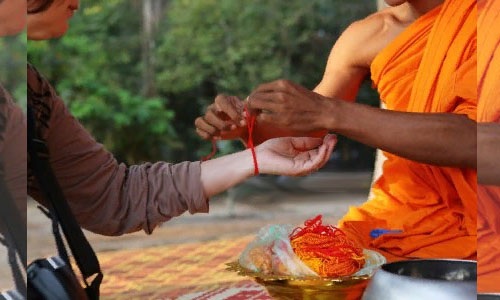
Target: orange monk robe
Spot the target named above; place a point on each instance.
(429, 68)
(488, 70)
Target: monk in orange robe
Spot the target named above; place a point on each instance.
(429, 68)
(488, 147)
(421, 55)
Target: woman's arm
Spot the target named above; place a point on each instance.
(112, 198)
(281, 156)
(106, 196)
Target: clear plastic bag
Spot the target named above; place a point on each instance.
(271, 253)
(373, 261)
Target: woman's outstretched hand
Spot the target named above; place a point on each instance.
(294, 156)
(290, 156)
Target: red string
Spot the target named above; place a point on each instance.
(250, 118)
(326, 249)
(212, 154)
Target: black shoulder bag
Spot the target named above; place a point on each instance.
(53, 278)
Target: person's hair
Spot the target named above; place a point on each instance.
(37, 6)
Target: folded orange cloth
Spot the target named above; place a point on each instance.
(431, 68)
(488, 70)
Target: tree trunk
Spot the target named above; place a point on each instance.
(152, 11)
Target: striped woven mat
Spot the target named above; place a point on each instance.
(186, 272)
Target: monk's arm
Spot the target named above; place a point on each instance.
(488, 153)
(346, 68)
(433, 138)
(337, 82)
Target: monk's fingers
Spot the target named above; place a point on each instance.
(281, 85)
(270, 118)
(269, 102)
(204, 129)
(231, 106)
(205, 135)
(217, 119)
(282, 119)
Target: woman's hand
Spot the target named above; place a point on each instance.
(224, 119)
(294, 156)
(291, 156)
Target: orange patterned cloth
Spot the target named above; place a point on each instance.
(488, 225)
(186, 271)
(429, 68)
(326, 249)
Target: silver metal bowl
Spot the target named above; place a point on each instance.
(424, 279)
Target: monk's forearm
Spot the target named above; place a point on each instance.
(264, 132)
(438, 139)
(488, 153)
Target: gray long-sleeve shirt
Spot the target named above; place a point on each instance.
(107, 197)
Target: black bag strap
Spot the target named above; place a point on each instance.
(14, 236)
(83, 253)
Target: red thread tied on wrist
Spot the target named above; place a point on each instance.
(250, 118)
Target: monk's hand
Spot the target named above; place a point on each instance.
(223, 119)
(285, 104)
(294, 156)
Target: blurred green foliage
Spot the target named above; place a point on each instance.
(13, 66)
(201, 48)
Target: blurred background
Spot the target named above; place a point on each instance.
(13, 66)
(150, 67)
(137, 73)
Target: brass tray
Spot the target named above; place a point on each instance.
(306, 288)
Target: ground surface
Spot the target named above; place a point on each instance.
(240, 212)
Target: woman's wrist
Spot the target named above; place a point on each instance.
(219, 174)
(243, 164)
(252, 161)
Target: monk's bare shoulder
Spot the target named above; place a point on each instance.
(365, 38)
(352, 54)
